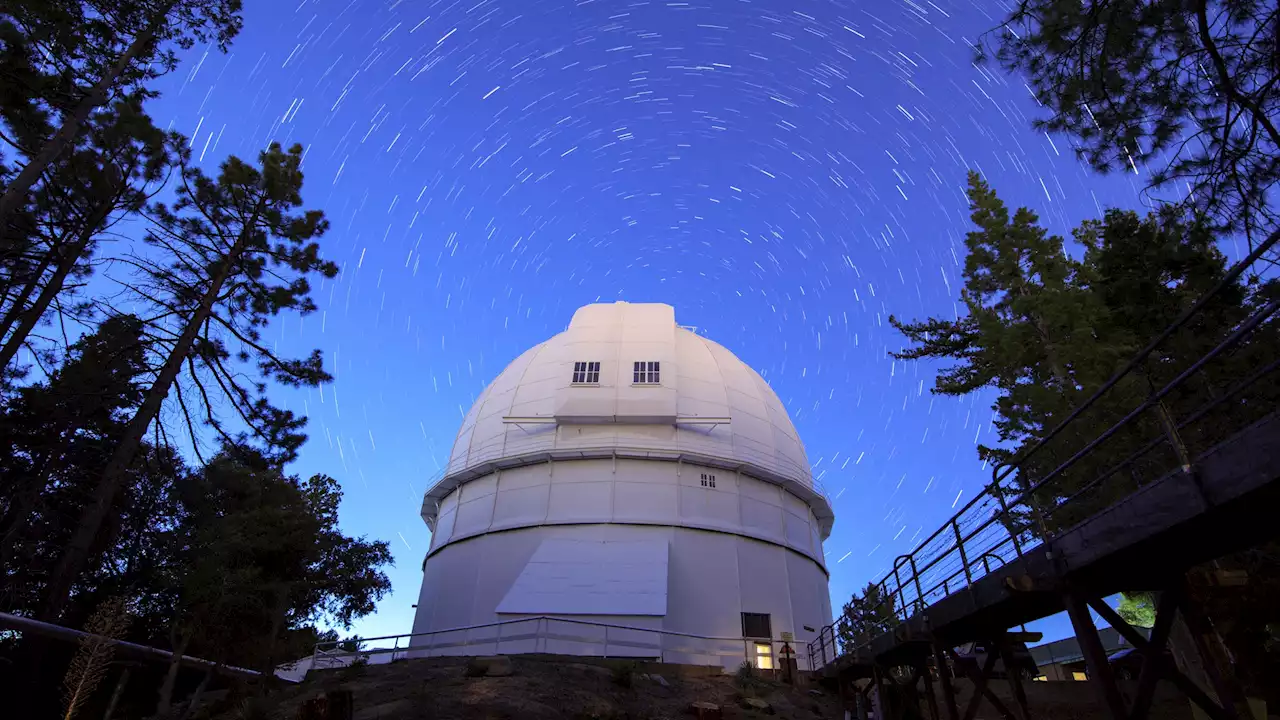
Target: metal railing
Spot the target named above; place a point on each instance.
(559, 636)
(1014, 514)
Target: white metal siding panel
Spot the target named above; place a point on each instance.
(644, 502)
(583, 577)
(474, 516)
(764, 583)
(703, 594)
(762, 519)
(581, 502)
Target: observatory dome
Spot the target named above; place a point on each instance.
(598, 457)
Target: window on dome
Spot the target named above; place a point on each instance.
(645, 373)
(586, 373)
(708, 480)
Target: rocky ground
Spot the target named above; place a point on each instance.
(545, 689)
(529, 688)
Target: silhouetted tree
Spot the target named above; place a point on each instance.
(227, 257)
(1189, 89)
(89, 53)
(260, 556)
(864, 617)
(120, 161)
(1046, 330)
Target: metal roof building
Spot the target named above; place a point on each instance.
(625, 476)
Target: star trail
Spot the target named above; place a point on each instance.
(786, 174)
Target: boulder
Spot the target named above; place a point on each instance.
(757, 704)
(495, 666)
(660, 680)
(705, 710)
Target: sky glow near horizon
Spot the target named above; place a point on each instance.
(786, 174)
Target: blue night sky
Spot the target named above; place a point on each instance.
(786, 174)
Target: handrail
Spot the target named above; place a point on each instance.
(60, 632)
(325, 649)
(924, 557)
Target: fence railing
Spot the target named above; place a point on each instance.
(1016, 513)
(562, 636)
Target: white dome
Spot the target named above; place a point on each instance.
(701, 404)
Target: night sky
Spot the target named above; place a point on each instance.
(787, 174)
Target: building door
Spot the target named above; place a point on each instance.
(758, 629)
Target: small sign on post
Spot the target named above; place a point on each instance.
(788, 657)
(788, 637)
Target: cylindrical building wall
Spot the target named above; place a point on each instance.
(728, 544)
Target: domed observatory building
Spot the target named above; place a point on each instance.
(626, 488)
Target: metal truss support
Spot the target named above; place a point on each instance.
(1157, 665)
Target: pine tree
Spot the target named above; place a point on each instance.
(261, 558)
(121, 162)
(1188, 89)
(98, 51)
(1045, 331)
(866, 616)
(223, 260)
(1027, 331)
(51, 432)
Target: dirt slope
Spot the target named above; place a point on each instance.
(543, 689)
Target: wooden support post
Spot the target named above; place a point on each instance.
(1153, 655)
(1014, 674)
(1164, 665)
(877, 680)
(944, 677)
(1095, 657)
(1228, 690)
(929, 697)
(980, 678)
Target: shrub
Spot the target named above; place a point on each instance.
(746, 678)
(622, 673)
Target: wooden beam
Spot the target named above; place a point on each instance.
(1095, 657)
(980, 688)
(1230, 696)
(1166, 609)
(929, 696)
(1165, 665)
(1014, 673)
(944, 677)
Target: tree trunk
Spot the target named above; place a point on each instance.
(26, 505)
(193, 703)
(279, 612)
(19, 300)
(73, 558)
(165, 699)
(70, 255)
(16, 193)
(115, 694)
